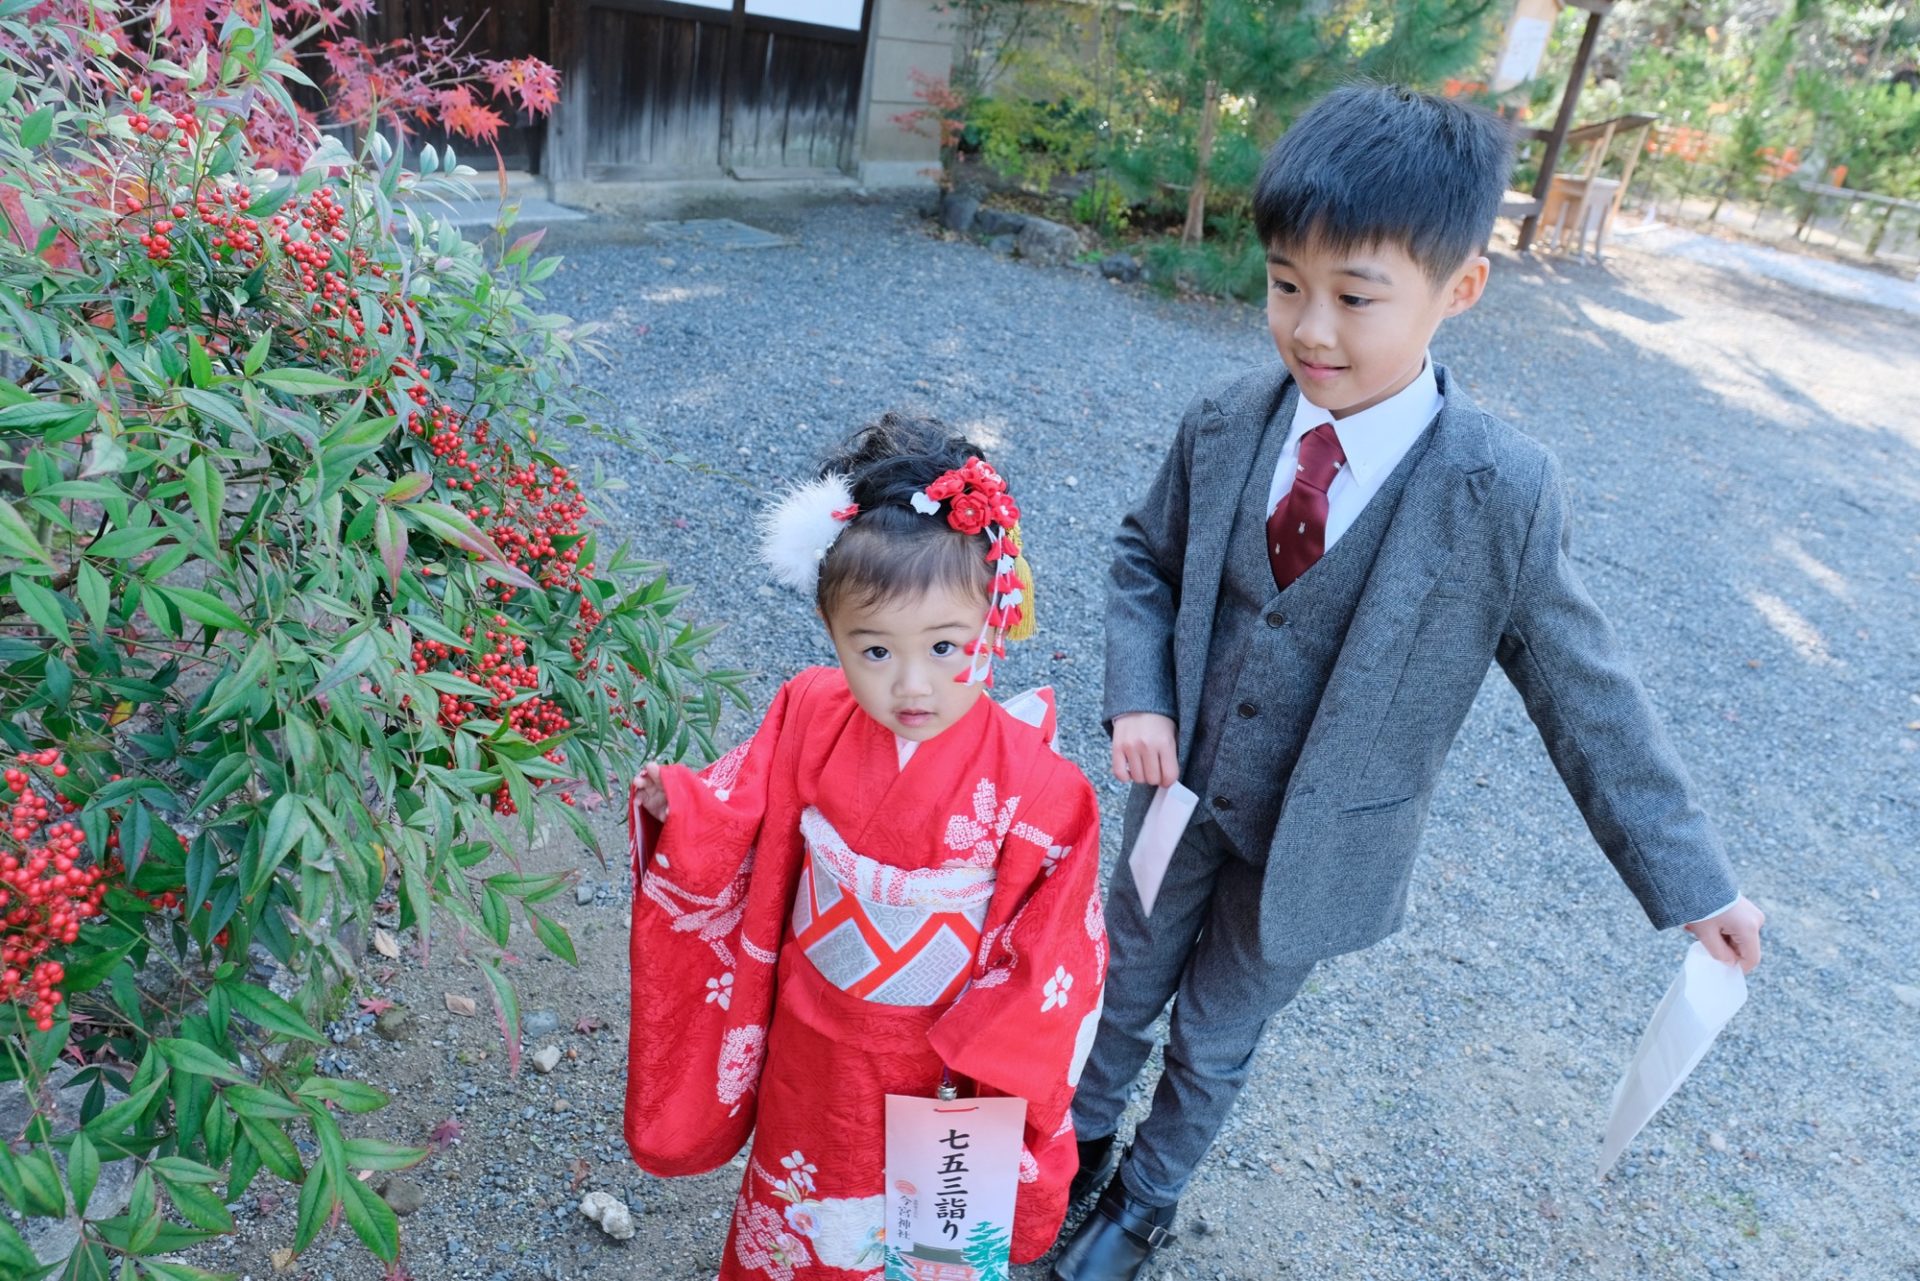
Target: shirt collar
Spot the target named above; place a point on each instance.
(1375, 440)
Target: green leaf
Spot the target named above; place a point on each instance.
(506, 1008)
(37, 128)
(17, 1260)
(88, 1262)
(373, 1220)
(451, 526)
(199, 365)
(207, 491)
(168, 1271)
(116, 1118)
(91, 587)
(228, 776)
(197, 1205)
(178, 1169)
(554, 936)
(83, 1172)
(355, 657)
(316, 1203)
(42, 1183)
(276, 1150)
(302, 382)
(37, 416)
(257, 353)
(287, 824)
(390, 539)
(17, 538)
(42, 606)
(407, 488)
(378, 1154)
(252, 1102)
(196, 1059)
(271, 1012)
(350, 1095)
(205, 608)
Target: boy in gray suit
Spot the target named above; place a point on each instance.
(1301, 611)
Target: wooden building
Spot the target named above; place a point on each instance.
(656, 91)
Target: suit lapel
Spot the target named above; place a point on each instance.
(1441, 500)
(1227, 445)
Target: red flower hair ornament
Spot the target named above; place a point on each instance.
(799, 530)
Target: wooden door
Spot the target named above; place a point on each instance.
(657, 89)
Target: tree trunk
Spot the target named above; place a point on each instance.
(1203, 160)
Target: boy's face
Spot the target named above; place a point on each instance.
(903, 656)
(1353, 327)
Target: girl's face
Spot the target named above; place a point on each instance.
(903, 657)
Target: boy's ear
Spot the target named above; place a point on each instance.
(1468, 284)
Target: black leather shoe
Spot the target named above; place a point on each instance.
(1116, 1240)
(1096, 1167)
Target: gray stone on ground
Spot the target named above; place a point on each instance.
(1047, 242)
(546, 1060)
(538, 1023)
(394, 1025)
(610, 1213)
(403, 1196)
(1003, 244)
(1121, 267)
(583, 893)
(999, 222)
(958, 210)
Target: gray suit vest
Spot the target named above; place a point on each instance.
(1272, 651)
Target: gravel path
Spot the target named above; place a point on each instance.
(1747, 489)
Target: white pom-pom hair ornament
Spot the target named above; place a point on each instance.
(796, 532)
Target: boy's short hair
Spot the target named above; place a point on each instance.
(1378, 164)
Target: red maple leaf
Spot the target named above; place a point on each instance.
(445, 1134)
(375, 1005)
(588, 1026)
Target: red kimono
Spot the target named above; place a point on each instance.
(824, 920)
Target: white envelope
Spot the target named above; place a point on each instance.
(1165, 824)
(1706, 994)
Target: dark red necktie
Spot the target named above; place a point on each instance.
(1297, 530)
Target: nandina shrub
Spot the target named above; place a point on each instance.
(301, 615)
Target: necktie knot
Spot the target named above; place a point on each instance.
(1320, 457)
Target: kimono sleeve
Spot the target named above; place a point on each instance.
(707, 919)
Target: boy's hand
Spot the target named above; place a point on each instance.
(1146, 749)
(1734, 935)
(653, 793)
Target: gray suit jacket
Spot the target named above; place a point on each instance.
(1474, 569)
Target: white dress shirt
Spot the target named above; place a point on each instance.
(1374, 441)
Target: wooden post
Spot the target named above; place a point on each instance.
(1561, 123)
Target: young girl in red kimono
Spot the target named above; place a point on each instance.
(891, 884)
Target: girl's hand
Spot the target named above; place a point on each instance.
(653, 792)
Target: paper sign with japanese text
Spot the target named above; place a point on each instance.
(953, 1170)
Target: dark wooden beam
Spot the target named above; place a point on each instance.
(1569, 100)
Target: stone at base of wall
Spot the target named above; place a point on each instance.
(895, 174)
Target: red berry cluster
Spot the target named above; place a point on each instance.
(503, 670)
(44, 893)
(184, 129)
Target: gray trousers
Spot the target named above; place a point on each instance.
(1201, 948)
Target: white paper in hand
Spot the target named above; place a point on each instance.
(1706, 994)
(1165, 824)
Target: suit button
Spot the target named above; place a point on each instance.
(1249, 710)
(1222, 803)
(1276, 619)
